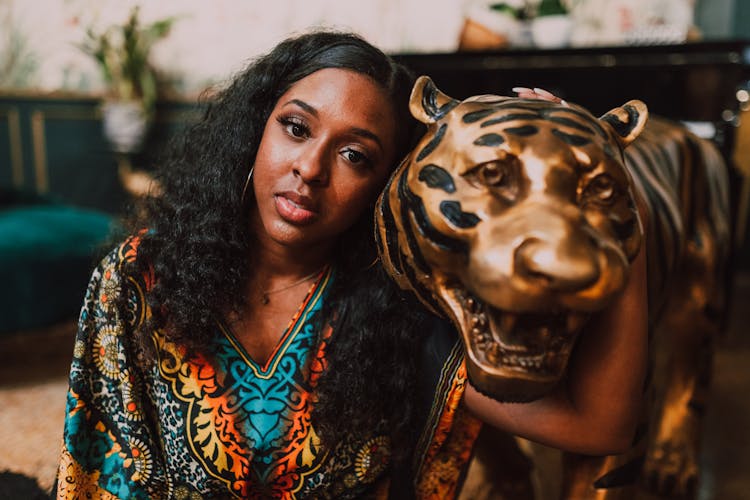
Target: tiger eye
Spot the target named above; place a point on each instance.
(501, 177)
(492, 174)
(602, 188)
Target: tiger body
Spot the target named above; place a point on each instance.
(518, 219)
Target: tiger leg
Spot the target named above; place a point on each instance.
(689, 328)
(498, 470)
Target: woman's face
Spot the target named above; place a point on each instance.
(326, 152)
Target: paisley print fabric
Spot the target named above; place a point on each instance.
(218, 424)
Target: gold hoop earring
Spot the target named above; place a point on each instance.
(247, 184)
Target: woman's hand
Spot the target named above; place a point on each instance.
(537, 93)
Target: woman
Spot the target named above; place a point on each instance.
(190, 380)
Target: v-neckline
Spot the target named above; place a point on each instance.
(299, 318)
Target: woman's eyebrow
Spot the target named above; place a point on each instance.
(303, 105)
(363, 132)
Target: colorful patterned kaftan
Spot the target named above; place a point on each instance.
(222, 426)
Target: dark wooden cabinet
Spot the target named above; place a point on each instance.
(695, 81)
(53, 145)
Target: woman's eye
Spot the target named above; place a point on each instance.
(297, 130)
(355, 157)
(295, 127)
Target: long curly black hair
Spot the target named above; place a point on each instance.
(200, 248)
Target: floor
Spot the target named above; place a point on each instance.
(33, 386)
(726, 442)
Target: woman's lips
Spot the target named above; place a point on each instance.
(295, 208)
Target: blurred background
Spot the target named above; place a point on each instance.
(91, 90)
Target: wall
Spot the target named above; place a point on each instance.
(212, 40)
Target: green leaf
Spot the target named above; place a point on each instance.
(551, 8)
(505, 9)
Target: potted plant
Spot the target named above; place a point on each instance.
(552, 25)
(122, 52)
(492, 25)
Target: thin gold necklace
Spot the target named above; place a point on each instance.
(264, 294)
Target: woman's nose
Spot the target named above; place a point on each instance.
(312, 166)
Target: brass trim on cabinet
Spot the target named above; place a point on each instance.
(40, 151)
(16, 149)
(39, 139)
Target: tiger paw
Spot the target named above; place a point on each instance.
(671, 469)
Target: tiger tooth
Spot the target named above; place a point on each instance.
(492, 355)
(482, 319)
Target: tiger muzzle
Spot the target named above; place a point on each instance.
(526, 302)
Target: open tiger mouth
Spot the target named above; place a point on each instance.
(536, 343)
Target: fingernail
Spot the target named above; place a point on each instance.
(518, 90)
(564, 102)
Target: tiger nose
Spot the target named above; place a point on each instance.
(566, 267)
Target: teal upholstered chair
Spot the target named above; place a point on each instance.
(47, 253)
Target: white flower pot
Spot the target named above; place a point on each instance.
(551, 32)
(125, 125)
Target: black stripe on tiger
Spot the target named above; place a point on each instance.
(424, 226)
(437, 178)
(456, 216)
(411, 241)
(391, 231)
(475, 116)
(491, 140)
(561, 120)
(434, 142)
(571, 139)
(430, 105)
(523, 131)
(659, 223)
(509, 118)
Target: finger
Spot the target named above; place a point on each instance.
(547, 96)
(545, 93)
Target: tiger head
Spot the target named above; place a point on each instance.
(516, 219)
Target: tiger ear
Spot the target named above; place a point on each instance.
(427, 104)
(627, 121)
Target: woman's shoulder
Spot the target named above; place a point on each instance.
(121, 259)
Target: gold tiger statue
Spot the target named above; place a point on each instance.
(517, 219)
